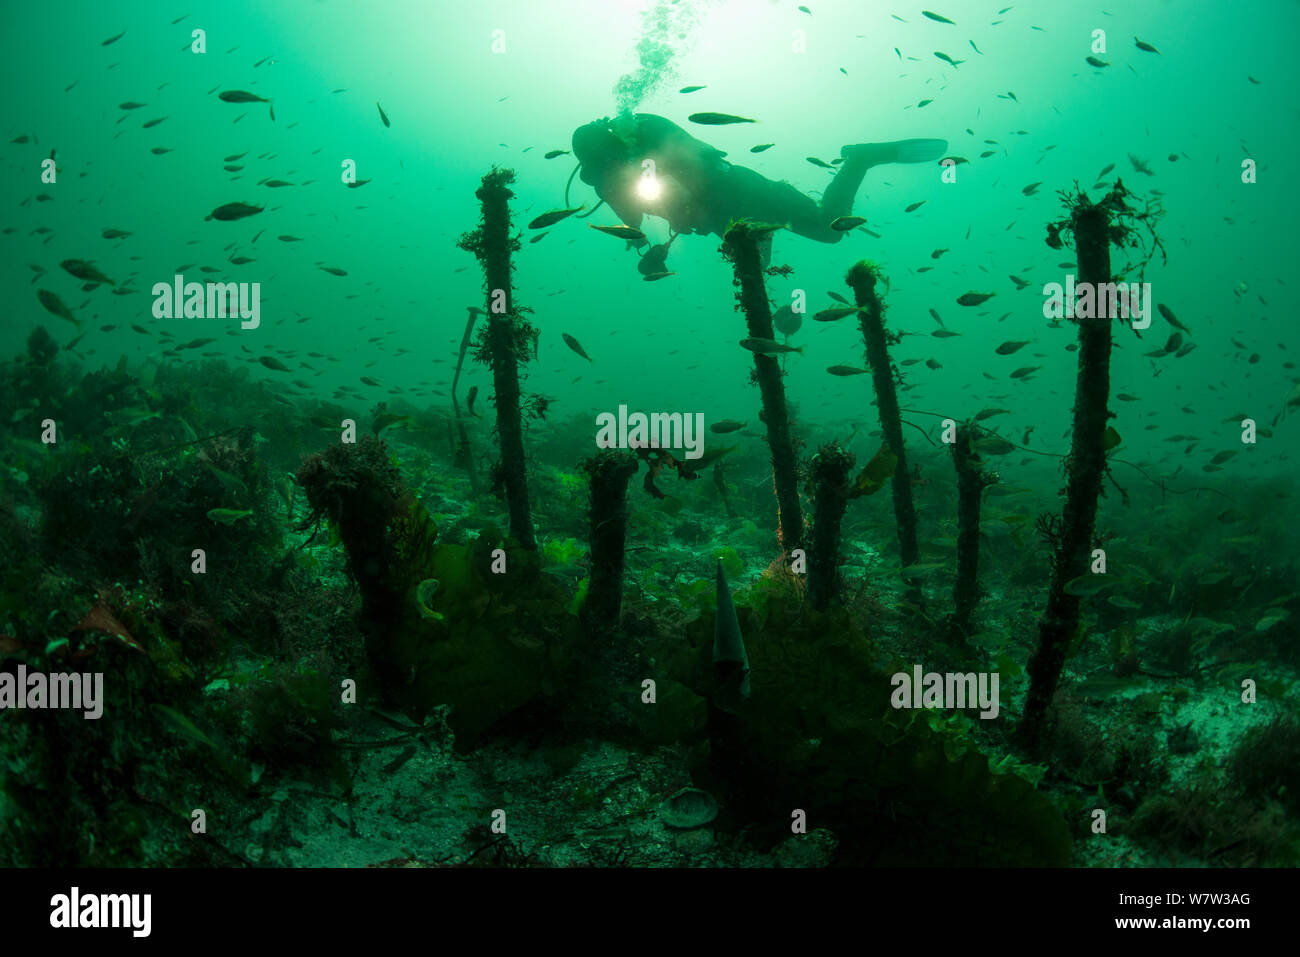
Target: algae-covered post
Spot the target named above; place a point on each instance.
(508, 342)
(862, 279)
(1091, 225)
(609, 473)
(742, 248)
(830, 480)
(971, 482)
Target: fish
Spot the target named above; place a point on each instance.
(277, 183)
(935, 254)
(231, 482)
(842, 224)
(1146, 47)
(975, 48)
(551, 154)
(937, 18)
(1096, 61)
(990, 444)
(469, 401)
(786, 321)
(372, 382)
(708, 458)
(835, 313)
(240, 96)
(690, 89)
(717, 119)
(115, 234)
(576, 346)
(149, 124)
(113, 39)
(838, 298)
(621, 232)
(334, 270)
(1024, 371)
(286, 238)
(1020, 283)
(1140, 166)
(84, 270)
(1011, 346)
(974, 298)
(989, 413)
(235, 156)
(130, 105)
(944, 333)
(987, 153)
(727, 425)
(272, 363)
(947, 59)
(553, 216)
(54, 305)
(382, 115)
(1109, 167)
(228, 516)
(845, 370)
(816, 162)
(761, 147)
(915, 206)
(233, 211)
(1031, 188)
(656, 276)
(768, 347)
(1171, 318)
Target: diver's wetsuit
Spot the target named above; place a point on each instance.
(700, 192)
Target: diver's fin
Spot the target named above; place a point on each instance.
(899, 151)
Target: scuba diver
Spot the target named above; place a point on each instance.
(642, 164)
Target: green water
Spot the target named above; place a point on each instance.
(421, 99)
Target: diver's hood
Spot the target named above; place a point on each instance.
(599, 149)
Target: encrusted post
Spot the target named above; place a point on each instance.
(742, 245)
(508, 342)
(971, 482)
(1090, 224)
(830, 481)
(862, 279)
(609, 473)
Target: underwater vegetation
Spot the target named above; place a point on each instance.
(316, 626)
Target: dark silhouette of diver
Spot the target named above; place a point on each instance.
(696, 190)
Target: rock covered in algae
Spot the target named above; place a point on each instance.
(689, 808)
